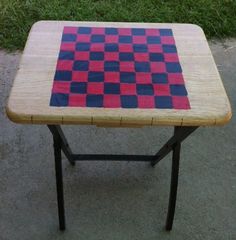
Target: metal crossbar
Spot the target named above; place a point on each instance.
(112, 157)
(173, 144)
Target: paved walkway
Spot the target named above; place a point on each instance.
(118, 201)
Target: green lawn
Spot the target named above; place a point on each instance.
(216, 17)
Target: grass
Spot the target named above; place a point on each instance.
(216, 17)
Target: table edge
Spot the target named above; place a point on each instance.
(23, 118)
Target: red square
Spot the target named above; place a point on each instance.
(97, 47)
(70, 30)
(81, 55)
(127, 67)
(152, 32)
(128, 89)
(83, 38)
(139, 39)
(125, 48)
(78, 76)
(171, 57)
(113, 77)
(77, 100)
(175, 78)
(180, 102)
(65, 65)
(111, 39)
(155, 48)
(161, 89)
(167, 40)
(96, 66)
(146, 102)
(111, 101)
(67, 46)
(98, 30)
(124, 31)
(95, 88)
(141, 57)
(111, 56)
(158, 67)
(61, 87)
(143, 78)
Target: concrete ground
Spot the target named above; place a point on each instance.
(113, 200)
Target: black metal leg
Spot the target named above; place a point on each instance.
(59, 181)
(173, 185)
(174, 143)
(57, 131)
(180, 133)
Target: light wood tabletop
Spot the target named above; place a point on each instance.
(31, 92)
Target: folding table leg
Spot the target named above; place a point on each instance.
(173, 144)
(173, 186)
(180, 133)
(57, 131)
(59, 181)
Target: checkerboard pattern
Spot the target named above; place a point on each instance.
(107, 67)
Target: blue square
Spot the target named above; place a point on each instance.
(126, 57)
(82, 46)
(140, 48)
(138, 31)
(178, 90)
(129, 101)
(111, 31)
(145, 89)
(63, 76)
(96, 56)
(78, 87)
(127, 77)
(165, 32)
(153, 40)
(80, 65)
(159, 78)
(68, 38)
(66, 55)
(125, 39)
(97, 38)
(142, 66)
(173, 67)
(84, 30)
(156, 57)
(112, 88)
(95, 76)
(94, 100)
(111, 47)
(163, 102)
(59, 100)
(111, 66)
(168, 48)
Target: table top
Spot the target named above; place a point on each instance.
(118, 74)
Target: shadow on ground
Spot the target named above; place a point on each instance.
(112, 200)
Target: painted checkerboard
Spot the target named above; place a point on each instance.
(106, 67)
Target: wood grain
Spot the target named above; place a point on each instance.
(31, 91)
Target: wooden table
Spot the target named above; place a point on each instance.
(118, 75)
